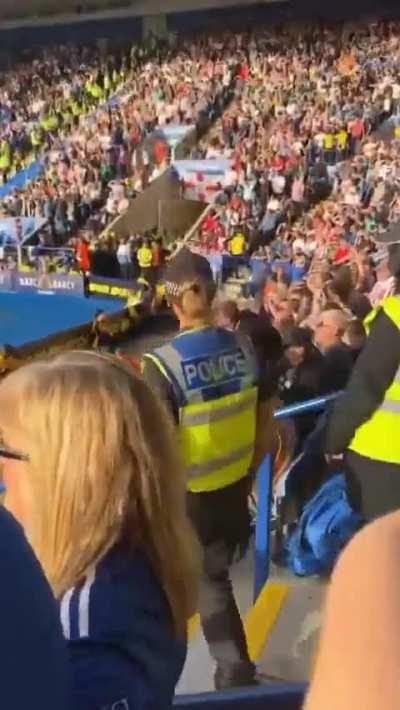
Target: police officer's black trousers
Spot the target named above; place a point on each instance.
(373, 486)
(222, 521)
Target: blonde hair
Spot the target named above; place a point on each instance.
(103, 469)
(195, 299)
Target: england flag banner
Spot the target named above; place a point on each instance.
(202, 180)
(172, 133)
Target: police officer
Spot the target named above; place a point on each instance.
(365, 420)
(209, 379)
(145, 259)
(237, 247)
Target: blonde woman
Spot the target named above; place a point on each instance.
(93, 477)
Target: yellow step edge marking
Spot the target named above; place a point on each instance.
(193, 627)
(260, 619)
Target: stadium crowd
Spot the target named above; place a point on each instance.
(316, 179)
(89, 453)
(99, 154)
(287, 155)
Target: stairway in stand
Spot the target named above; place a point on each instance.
(282, 629)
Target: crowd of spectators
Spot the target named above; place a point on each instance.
(97, 152)
(110, 257)
(317, 175)
(316, 165)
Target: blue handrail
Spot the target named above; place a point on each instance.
(277, 696)
(310, 405)
(264, 492)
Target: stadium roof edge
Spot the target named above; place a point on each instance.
(140, 9)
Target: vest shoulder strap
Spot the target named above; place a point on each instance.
(391, 306)
(168, 361)
(370, 318)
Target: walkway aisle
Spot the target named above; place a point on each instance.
(282, 630)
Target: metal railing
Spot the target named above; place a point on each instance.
(277, 696)
(264, 493)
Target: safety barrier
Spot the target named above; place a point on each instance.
(277, 696)
(264, 493)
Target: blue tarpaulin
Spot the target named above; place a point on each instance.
(32, 172)
(27, 316)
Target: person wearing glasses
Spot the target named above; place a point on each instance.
(337, 358)
(91, 473)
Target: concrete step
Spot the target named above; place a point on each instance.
(282, 629)
(290, 649)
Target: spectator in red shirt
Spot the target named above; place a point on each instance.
(356, 129)
(342, 253)
(244, 72)
(210, 222)
(160, 152)
(82, 254)
(278, 162)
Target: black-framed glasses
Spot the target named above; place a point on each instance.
(7, 453)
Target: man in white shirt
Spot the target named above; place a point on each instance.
(278, 183)
(124, 258)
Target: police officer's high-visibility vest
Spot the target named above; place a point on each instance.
(329, 141)
(145, 257)
(379, 437)
(213, 373)
(342, 139)
(238, 243)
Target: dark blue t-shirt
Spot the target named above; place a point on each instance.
(33, 658)
(123, 650)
